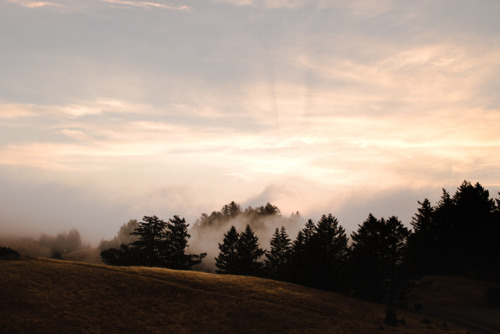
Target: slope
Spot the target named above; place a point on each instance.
(41, 295)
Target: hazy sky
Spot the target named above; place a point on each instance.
(115, 109)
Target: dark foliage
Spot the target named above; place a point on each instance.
(249, 253)
(7, 253)
(254, 216)
(56, 255)
(176, 244)
(159, 244)
(153, 235)
(376, 260)
(240, 253)
(318, 254)
(277, 260)
(460, 235)
(124, 256)
(227, 260)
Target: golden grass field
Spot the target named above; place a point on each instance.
(40, 295)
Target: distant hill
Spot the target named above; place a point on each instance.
(40, 295)
(90, 255)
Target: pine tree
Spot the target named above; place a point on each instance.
(152, 233)
(231, 210)
(227, 260)
(158, 244)
(301, 265)
(423, 242)
(473, 228)
(249, 253)
(277, 259)
(328, 253)
(318, 254)
(308, 231)
(177, 242)
(376, 266)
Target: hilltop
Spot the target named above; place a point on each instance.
(41, 295)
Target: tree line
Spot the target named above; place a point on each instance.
(159, 243)
(458, 235)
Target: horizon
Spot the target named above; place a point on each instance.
(111, 110)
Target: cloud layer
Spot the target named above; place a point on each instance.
(163, 107)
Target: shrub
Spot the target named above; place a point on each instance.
(8, 253)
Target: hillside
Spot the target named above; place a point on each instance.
(40, 295)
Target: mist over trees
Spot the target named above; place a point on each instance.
(459, 235)
(124, 236)
(62, 243)
(55, 246)
(158, 244)
(208, 230)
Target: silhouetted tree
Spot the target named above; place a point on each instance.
(7, 253)
(376, 266)
(177, 242)
(159, 244)
(249, 253)
(460, 235)
(268, 210)
(278, 258)
(239, 253)
(231, 210)
(123, 256)
(473, 225)
(329, 250)
(153, 235)
(301, 254)
(227, 260)
(318, 254)
(423, 242)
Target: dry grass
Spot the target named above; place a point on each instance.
(452, 291)
(50, 296)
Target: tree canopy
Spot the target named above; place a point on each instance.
(158, 244)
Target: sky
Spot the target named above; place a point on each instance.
(115, 109)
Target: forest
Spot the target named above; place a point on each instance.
(458, 235)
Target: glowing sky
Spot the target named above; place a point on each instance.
(111, 109)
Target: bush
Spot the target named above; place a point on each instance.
(9, 253)
(493, 297)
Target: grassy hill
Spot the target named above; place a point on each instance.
(40, 295)
(452, 291)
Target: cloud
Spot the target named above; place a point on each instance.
(265, 3)
(75, 134)
(73, 110)
(147, 5)
(367, 8)
(16, 110)
(35, 4)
